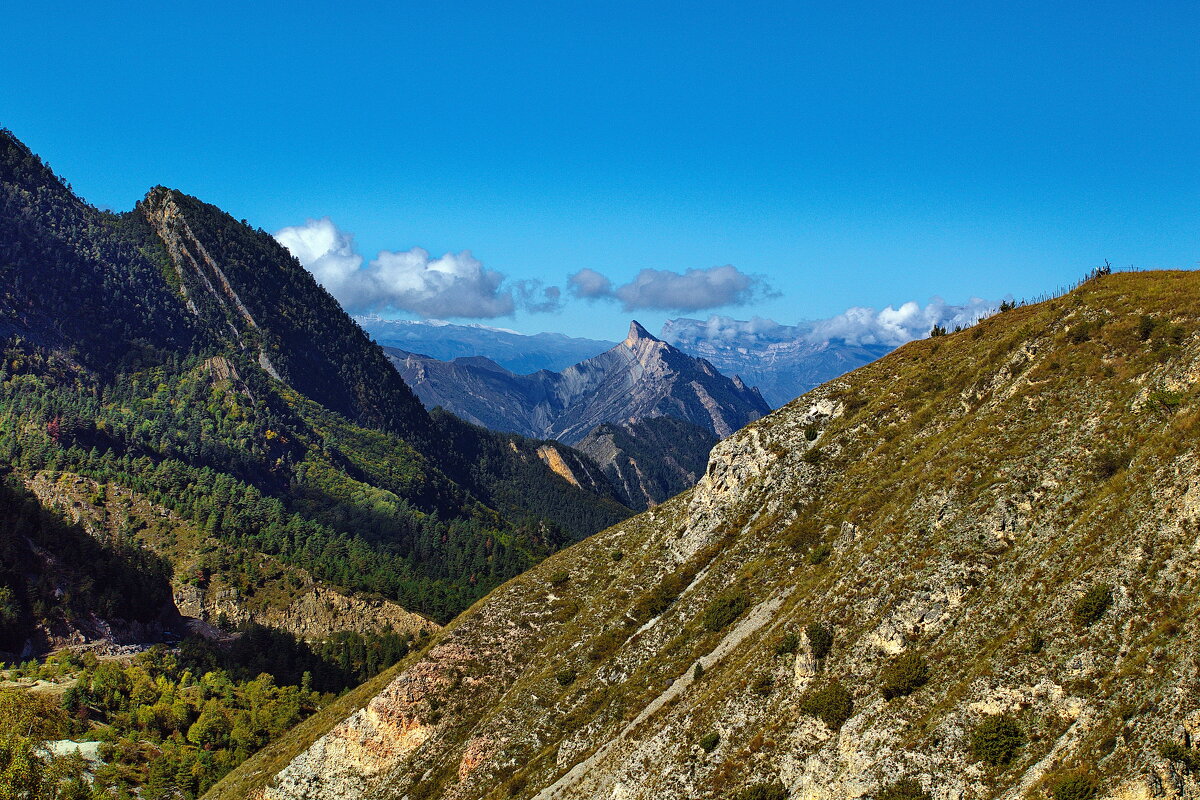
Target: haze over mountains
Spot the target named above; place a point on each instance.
(781, 361)
(629, 388)
(639, 378)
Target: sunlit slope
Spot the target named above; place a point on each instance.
(988, 539)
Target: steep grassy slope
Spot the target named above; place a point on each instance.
(971, 565)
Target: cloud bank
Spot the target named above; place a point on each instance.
(693, 290)
(895, 326)
(855, 326)
(453, 285)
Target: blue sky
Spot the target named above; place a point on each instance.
(843, 153)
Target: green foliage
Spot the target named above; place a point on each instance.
(811, 433)
(1090, 608)
(764, 684)
(820, 639)
(1185, 757)
(1077, 786)
(907, 788)
(565, 677)
(996, 740)
(787, 645)
(1165, 400)
(831, 703)
(820, 554)
(724, 610)
(762, 791)
(709, 741)
(903, 675)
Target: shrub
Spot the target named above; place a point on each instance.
(811, 433)
(709, 741)
(617, 555)
(724, 610)
(559, 578)
(1109, 462)
(819, 554)
(1091, 607)
(565, 677)
(1145, 327)
(995, 741)
(820, 640)
(1167, 401)
(763, 684)
(1036, 642)
(762, 791)
(1185, 757)
(801, 536)
(1073, 787)
(788, 644)
(831, 704)
(812, 455)
(903, 789)
(903, 675)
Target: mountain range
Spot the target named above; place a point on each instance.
(964, 570)
(630, 390)
(517, 352)
(639, 378)
(186, 362)
(781, 361)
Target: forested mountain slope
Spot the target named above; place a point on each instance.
(650, 460)
(967, 570)
(189, 359)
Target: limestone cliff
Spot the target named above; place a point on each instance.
(967, 570)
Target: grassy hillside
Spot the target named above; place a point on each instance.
(966, 570)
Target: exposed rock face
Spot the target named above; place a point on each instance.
(317, 612)
(957, 500)
(649, 460)
(642, 377)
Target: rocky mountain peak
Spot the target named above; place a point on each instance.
(637, 333)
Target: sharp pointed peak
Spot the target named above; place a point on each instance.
(637, 332)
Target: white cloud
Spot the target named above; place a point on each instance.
(590, 285)
(729, 331)
(858, 326)
(325, 251)
(895, 326)
(453, 285)
(693, 290)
